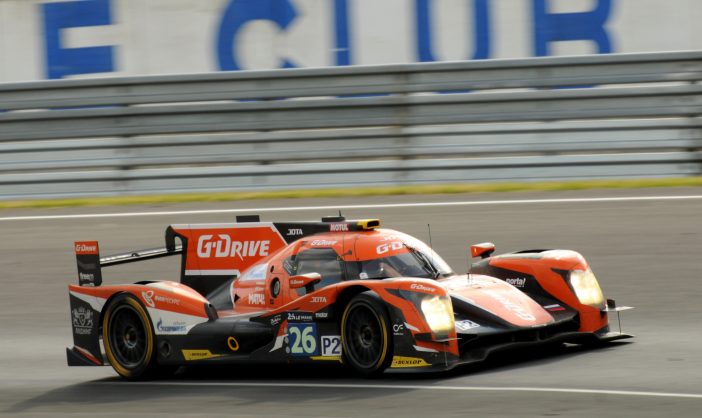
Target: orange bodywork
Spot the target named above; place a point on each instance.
(543, 270)
(437, 318)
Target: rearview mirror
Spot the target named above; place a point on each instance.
(483, 250)
(305, 280)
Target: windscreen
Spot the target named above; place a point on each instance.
(410, 258)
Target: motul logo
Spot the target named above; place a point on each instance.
(224, 247)
(338, 227)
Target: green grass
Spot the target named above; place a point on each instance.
(353, 192)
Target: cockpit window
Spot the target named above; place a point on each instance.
(400, 265)
(257, 272)
(324, 261)
(419, 260)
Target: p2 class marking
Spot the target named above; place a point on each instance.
(347, 207)
(418, 387)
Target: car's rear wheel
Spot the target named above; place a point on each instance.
(366, 341)
(128, 338)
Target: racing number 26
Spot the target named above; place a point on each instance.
(303, 339)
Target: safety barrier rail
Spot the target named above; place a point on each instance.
(605, 116)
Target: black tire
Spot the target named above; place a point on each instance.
(128, 337)
(365, 337)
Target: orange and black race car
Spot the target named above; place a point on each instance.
(330, 291)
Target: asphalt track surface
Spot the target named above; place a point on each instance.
(646, 253)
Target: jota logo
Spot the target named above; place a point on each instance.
(225, 247)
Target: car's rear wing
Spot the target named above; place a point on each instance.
(90, 263)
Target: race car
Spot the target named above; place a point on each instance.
(341, 291)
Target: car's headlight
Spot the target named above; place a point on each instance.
(438, 313)
(586, 288)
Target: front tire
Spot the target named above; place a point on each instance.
(365, 336)
(128, 338)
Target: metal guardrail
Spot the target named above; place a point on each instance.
(620, 116)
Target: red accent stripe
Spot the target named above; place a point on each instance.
(85, 353)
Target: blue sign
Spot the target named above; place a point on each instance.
(548, 27)
(62, 61)
(582, 26)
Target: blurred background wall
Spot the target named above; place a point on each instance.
(50, 39)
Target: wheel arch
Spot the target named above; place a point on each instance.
(345, 296)
(107, 304)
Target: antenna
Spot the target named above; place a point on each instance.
(429, 230)
(437, 272)
(340, 215)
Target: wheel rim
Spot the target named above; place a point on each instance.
(364, 337)
(127, 337)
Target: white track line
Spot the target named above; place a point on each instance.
(416, 387)
(347, 206)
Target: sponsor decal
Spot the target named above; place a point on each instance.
(422, 288)
(319, 299)
(554, 308)
(338, 227)
(224, 247)
(87, 247)
(331, 345)
(275, 320)
(384, 248)
(165, 299)
(86, 277)
(322, 243)
(223, 250)
(511, 306)
(299, 317)
(294, 232)
(398, 329)
(151, 300)
(321, 315)
(400, 362)
(178, 326)
(327, 358)
(257, 299)
(148, 297)
(191, 355)
(88, 260)
(296, 282)
(517, 282)
(82, 320)
(466, 324)
(302, 340)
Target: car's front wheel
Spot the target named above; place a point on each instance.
(366, 340)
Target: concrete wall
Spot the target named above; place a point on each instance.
(43, 39)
